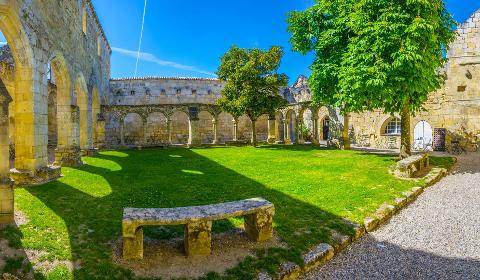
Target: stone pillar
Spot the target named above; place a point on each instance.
(69, 153)
(122, 131)
(6, 186)
(315, 136)
(169, 130)
(194, 123)
(133, 246)
(235, 129)
(286, 130)
(271, 130)
(198, 238)
(145, 131)
(258, 226)
(215, 132)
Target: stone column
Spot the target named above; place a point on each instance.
(215, 132)
(6, 185)
(286, 130)
(235, 129)
(169, 130)
(258, 226)
(194, 123)
(315, 136)
(122, 131)
(271, 130)
(145, 140)
(68, 153)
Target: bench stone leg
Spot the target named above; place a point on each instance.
(259, 225)
(133, 246)
(198, 238)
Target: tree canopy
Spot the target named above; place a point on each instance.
(252, 84)
(375, 54)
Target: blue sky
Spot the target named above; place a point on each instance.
(187, 37)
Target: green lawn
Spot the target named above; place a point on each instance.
(77, 217)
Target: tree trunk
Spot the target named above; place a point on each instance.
(405, 148)
(254, 133)
(346, 136)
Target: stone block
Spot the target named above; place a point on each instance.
(259, 225)
(318, 255)
(133, 246)
(371, 224)
(198, 238)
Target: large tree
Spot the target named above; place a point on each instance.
(252, 84)
(389, 56)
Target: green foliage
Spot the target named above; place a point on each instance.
(251, 82)
(372, 54)
(305, 131)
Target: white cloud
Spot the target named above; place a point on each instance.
(152, 58)
(3, 43)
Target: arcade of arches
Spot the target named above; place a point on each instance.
(57, 100)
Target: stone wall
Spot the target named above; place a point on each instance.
(455, 107)
(66, 37)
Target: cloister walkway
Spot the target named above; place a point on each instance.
(436, 237)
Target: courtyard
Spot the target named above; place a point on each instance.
(71, 225)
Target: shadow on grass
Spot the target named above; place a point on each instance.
(172, 178)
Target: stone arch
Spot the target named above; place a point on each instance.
(30, 151)
(280, 127)
(157, 129)
(291, 127)
(387, 122)
(82, 103)
(95, 114)
(133, 129)
(180, 127)
(225, 127)
(244, 128)
(65, 125)
(308, 124)
(206, 127)
(324, 123)
(262, 128)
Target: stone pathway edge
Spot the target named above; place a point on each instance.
(324, 252)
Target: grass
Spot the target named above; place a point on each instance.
(77, 217)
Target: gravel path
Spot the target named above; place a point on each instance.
(436, 237)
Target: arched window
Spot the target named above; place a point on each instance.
(393, 127)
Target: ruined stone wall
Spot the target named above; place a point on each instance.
(39, 33)
(174, 91)
(455, 107)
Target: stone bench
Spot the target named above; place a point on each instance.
(257, 212)
(406, 168)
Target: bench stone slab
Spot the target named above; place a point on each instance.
(257, 212)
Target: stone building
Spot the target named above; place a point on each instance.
(167, 111)
(451, 113)
(52, 84)
(57, 100)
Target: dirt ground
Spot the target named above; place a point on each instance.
(167, 259)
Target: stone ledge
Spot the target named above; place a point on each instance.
(325, 252)
(41, 176)
(406, 168)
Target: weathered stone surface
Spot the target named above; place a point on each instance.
(133, 245)
(6, 203)
(407, 167)
(340, 241)
(23, 178)
(258, 215)
(319, 254)
(384, 212)
(198, 238)
(289, 271)
(371, 224)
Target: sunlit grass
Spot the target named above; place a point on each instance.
(77, 217)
